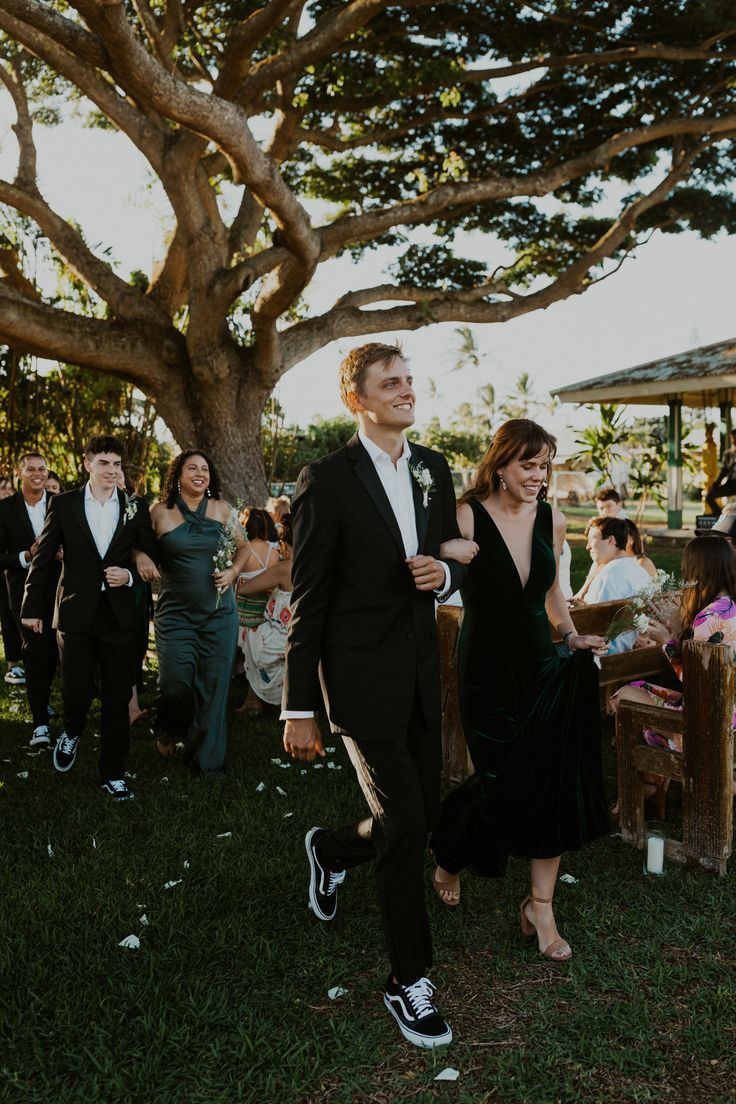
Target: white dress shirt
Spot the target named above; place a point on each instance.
(621, 577)
(396, 480)
(36, 516)
(102, 518)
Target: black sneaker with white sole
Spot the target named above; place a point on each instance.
(39, 736)
(323, 883)
(65, 752)
(118, 789)
(416, 1014)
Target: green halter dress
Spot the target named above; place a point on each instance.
(195, 640)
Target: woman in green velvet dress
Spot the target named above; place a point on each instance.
(196, 623)
(530, 715)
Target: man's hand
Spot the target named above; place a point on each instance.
(35, 624)
(31, 552)
(303, 739)
(117, 576)
(429, 574)
(145, 566)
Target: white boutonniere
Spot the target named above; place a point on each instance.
(423, 478)
(131, 508)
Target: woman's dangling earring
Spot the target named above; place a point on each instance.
(178, 486)
(208, 492)
(503, 482)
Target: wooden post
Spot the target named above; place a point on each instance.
(725, 427)
(674, 465)
(456, 764)
(707, 801)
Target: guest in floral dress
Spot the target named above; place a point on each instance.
(264, 645)
(707, 612)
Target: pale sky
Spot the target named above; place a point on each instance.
(676, 293)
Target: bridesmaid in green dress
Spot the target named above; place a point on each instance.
(196, 622)
(530, 715)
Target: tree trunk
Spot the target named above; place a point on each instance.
(225, 422)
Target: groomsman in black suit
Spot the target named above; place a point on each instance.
(22, 518)
(95, 616)
(368, 521)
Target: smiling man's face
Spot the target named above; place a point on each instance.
(387, 397)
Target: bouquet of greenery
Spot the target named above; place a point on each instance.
(654, 602)
(227, 547)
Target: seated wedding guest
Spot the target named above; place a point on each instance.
(264, 645)
(635, 548)
(617, 574)
(707, 611)
(608, 503)
(196, 624)
(12, 643)
(53, 483)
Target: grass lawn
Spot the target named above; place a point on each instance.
(226, 999)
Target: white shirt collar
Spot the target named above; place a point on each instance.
(377, 453)
(35, 505)
(89, 497)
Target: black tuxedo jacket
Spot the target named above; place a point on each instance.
(82, 577)
(356, 614)
(16, 536)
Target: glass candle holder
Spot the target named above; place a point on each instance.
(654, 848)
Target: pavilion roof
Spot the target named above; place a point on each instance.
(699, 377)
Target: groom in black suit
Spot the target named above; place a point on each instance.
(95, 616)
(368, 521)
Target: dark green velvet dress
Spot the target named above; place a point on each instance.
(195, 641)
(531, 718)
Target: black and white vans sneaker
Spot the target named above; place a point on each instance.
(323, 883)
(416, 1014)
(118, 789)
(65, 752)
(40, 735)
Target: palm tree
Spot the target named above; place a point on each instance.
(602, 444)
(522, 401)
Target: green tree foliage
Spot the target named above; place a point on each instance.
(554, 138)
(287, 449)
(601, 445)
(58, 411)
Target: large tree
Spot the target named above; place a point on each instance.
(565, 133)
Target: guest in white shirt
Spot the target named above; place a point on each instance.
(617, 574)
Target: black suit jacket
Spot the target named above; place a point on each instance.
(356, 613)
(83, 578)
(16, 536)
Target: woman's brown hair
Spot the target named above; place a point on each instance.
(517, 439)
(709, 565)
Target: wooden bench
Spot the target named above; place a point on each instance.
(704, 767)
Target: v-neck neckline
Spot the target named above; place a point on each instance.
(500, 535)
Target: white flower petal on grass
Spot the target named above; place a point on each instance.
(170, 885)
(303, 771)
(50, 850)
(129, 775)
(276, 761)
(337, 991)
(260, 787)
(331, 765)
(318, 766)
(187, 864)
(22, 774)
(285, 766)
(94, 843)
(280, 791)
(132, 942)
(568, 879)
(448, 1074)
(224, 835)
(165, 778)
(14, 709)
(287, 815)
(330, 751)
(144, 921)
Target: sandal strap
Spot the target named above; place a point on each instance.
(541, 900)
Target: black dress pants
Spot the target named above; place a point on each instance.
(12, 642)
(106, 648)
(401, 783)
(40, 660)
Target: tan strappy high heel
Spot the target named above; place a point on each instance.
(558, 950)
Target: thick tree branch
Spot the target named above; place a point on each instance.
(244, 39)
(12, 77)
(449, 197)
(124, 349)
(126, 301)
(71, 36)
(208, 115)
(11, 271)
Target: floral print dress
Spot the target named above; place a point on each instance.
(715, 624)
(264, 646)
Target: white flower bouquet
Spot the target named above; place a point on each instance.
(653, 602)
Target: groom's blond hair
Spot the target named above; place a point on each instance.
(355, 365)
